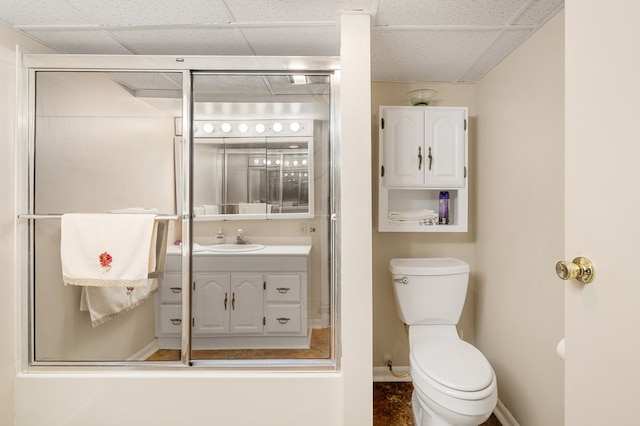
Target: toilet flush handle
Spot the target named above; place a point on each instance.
(403, 280)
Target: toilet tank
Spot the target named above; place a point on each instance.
(429, 290)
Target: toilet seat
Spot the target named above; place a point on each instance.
(452, 367)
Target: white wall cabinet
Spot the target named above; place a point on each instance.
(423, 151)
(239, 301)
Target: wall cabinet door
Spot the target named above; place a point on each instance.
(423, 147)
(445, 148)
(403, 131)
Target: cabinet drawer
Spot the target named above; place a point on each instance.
(170, 319)
(283, 288)
(173, 262)
(283, 319)
(171, 288)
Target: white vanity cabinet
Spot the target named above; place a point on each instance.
(242, 300)
(225, 304)
(423, 151)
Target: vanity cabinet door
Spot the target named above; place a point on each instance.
(247, 300)
(211, 304)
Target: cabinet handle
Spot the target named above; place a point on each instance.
(233, 301)
(225, 300)
(176, 289)
(419, 158)
(176, 321)
(430, 158)
(283, 320)
(283, 289)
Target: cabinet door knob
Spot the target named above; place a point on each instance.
(176, 321)
(176, 289)
(283, 320)
(225, 300)
(419, 158)
(283, 289)
(430, 157)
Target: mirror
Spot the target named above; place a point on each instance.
(246, 177)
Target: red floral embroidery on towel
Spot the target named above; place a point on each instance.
(105, 261)
(129, 290)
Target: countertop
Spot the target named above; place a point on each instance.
(268, 250)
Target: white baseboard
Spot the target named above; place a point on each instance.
(382, 374)
(504, 416)
(145, 352)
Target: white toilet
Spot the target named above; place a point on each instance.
(454, 383)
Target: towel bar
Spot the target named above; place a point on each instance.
(59, 216)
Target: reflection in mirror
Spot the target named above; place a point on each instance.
(257, 176)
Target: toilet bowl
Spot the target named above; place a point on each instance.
(454, 384)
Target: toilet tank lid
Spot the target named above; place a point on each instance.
(428, 266)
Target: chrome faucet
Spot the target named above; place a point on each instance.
(240, 238)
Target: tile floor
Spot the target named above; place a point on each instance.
(392, 405)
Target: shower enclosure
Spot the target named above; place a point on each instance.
(206, 144)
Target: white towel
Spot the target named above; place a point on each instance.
(106, 303)
(244, 208)
(410, 215)
(107, 250)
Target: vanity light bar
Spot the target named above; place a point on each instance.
(246, 128)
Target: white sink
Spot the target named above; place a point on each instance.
(234, 248)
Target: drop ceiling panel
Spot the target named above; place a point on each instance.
(79, 41)
(450, 12)
(295, 10)
(506, 42)
(295, 41)
(156, 12)
(539, 12)
(404, 55)
(38, 12)
(178, 41)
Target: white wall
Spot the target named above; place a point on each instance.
(520, 223)
(239, 398)
(9, 326)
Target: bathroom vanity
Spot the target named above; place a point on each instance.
(253, 299)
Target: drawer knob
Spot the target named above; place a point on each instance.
(176, 321)
(176, 289)
(282, 320)
(283, 289)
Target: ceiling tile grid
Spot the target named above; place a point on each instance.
(296, 41)
(506, 42)
(412, 40)
(184, 41)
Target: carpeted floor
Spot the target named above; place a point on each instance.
(392, 405)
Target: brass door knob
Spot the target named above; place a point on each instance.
(580, 268)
